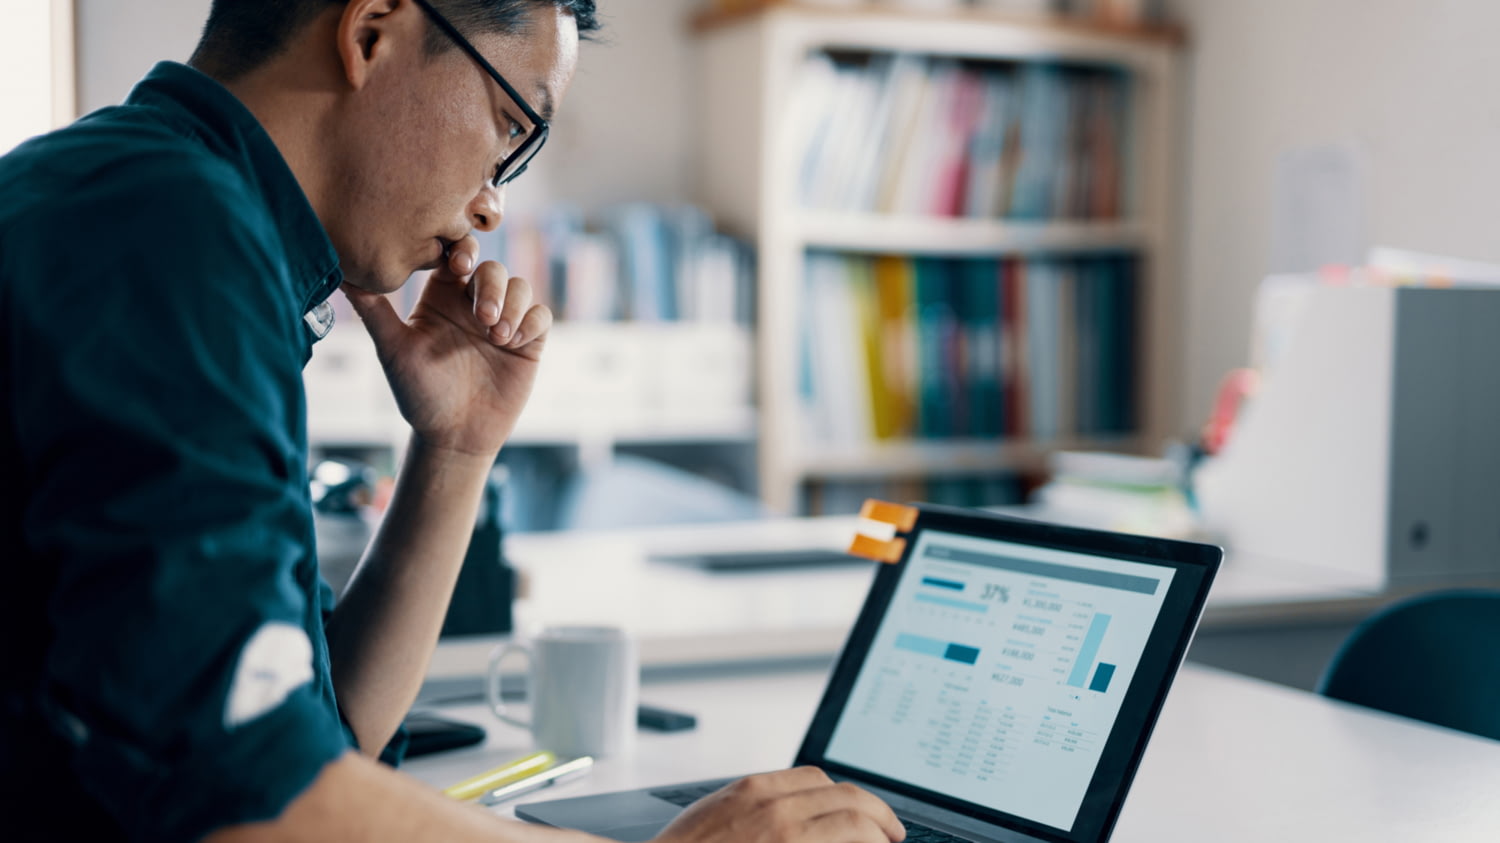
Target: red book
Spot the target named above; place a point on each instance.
(966, 103)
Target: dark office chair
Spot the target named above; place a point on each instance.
(1435, 657)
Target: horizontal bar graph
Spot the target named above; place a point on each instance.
(952, 603)
(939, 582)
(961, 653)
(1089, 650)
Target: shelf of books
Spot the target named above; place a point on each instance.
(964, 236)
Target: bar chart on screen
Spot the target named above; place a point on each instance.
(995, 659)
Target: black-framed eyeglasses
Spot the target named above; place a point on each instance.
(515, 163)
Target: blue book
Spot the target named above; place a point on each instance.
(1043, 128)
(1091, 356)
(1126, 316)
(646, 258)
(935, 323)
(980, 285)
(1043, 329)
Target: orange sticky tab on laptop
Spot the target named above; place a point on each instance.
(876, 549)
(903, 518)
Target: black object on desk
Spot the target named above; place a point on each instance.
(663, 719)
(486, 590)
(763, 560)
(429, 733)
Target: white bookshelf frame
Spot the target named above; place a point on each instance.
(747, 65)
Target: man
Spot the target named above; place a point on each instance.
(172, 668)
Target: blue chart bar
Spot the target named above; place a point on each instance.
(937, 649)
(960, 653)
(1089, 650)
(1102, 677)
(936, 582)
(937, 599)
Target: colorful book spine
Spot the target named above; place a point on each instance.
(640, 262)
(904, 135)
(974, 349)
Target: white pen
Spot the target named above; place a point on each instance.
(561, 773)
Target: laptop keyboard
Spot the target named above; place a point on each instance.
(918, 833)
(685, 796)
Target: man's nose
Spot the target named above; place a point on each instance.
(487, 208)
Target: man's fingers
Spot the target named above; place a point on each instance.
(517, 306)
(488, 289)
(781, 782)
(375, 310)
(463, 257)
(845, 797)
(849, 827)
(534, 326)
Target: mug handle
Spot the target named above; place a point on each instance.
(492, 681)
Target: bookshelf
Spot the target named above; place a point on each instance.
(755, 66)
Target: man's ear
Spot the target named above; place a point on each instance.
(366, 33)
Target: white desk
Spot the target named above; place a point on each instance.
(1232, 759)
(684, 616)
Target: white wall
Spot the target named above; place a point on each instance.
(36, 77)
(1412, 85)
(119, 40)
(622, 133)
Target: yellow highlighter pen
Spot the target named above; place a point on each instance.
(506, 773)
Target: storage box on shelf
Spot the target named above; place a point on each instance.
(964, 232)
(600, 384)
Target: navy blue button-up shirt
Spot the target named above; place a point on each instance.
(165, 670)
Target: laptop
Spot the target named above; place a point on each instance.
(1000, 684)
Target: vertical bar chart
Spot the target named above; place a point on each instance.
(1102, 677)
(1089, 650)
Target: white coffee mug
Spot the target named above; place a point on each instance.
(583, 684)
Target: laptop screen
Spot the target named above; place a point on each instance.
(1009, 673)
(998, 671)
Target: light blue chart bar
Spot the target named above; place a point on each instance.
(1089, 650)
(960, 653)
(952, 603)
(921, 644)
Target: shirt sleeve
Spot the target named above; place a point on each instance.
(160, 415)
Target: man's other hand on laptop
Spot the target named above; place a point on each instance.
(787, 806)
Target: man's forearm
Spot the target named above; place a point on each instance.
(383, 632)
(355, 798)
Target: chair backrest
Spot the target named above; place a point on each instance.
(1434, 657)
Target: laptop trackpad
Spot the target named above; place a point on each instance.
(633, 833)
(631, 816)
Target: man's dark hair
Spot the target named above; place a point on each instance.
(241, 35)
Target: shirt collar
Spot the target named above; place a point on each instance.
(198, 104)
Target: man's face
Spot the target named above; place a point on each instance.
(424, 138)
